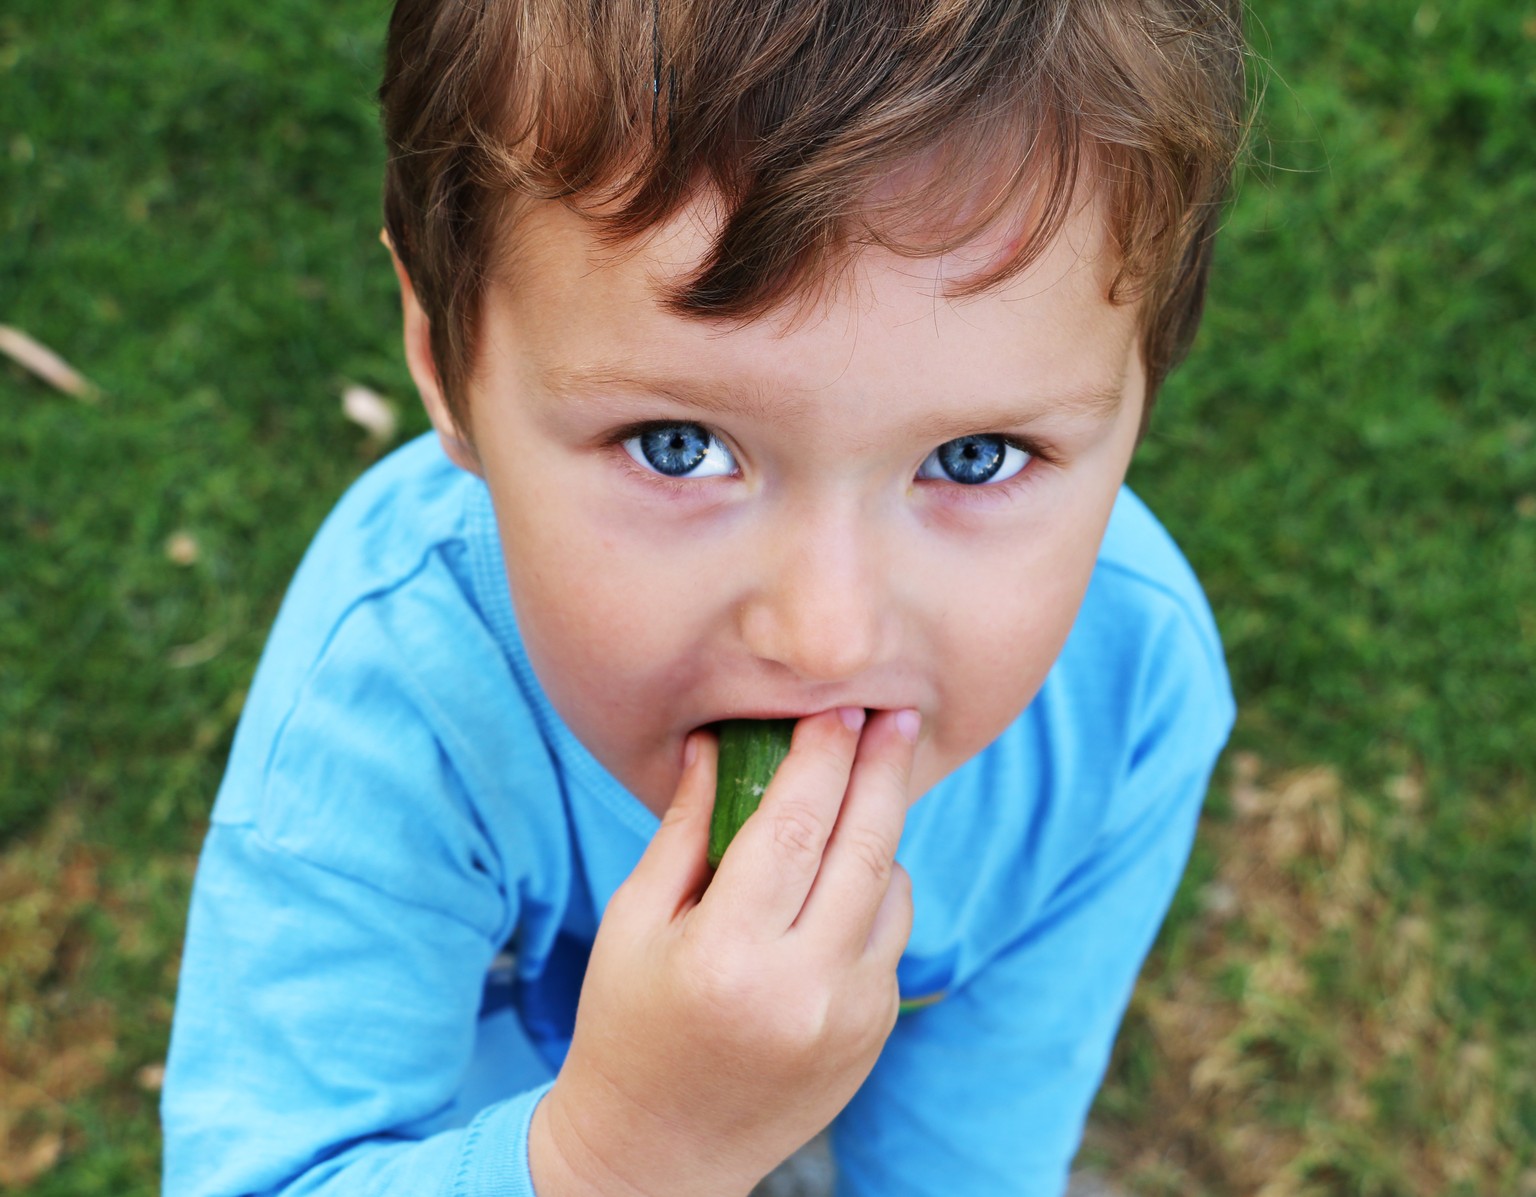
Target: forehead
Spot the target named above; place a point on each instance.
(574, 303)
(908, 208)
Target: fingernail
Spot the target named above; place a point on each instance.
(909, 723)
(690, 750)
(853, 717)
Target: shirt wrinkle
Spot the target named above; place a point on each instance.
(1199, 621)
(353, 609)
(254, 832)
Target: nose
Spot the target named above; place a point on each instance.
(823, 607)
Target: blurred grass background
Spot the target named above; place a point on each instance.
(1344, 1000)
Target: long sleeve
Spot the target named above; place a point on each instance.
(322, 1027)
(369, 857)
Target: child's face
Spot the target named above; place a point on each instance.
(703, 522)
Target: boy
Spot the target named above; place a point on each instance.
(785, 359)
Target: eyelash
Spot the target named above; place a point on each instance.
(614, 443)
(1041, 457)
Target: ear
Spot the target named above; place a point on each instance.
(418, 357)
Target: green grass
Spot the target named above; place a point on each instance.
(1350, 461)
(188, 212)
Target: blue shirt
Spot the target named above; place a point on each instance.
(410, 853)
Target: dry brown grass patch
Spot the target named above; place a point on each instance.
(57, 1041)
(1304, 1037)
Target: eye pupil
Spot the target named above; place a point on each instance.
(675, 449)
(972, 459)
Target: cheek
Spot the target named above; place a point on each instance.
(597, 617)
(1009, 650)
(998, 651)
(570, 602)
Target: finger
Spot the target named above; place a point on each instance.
(888, 940)
(860, 856)
(893, 922)
(673, 869)
(769, 868)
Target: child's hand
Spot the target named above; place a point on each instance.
(719, 1030)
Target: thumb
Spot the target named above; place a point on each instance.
(674, 868)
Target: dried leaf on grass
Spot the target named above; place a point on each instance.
(181, 547)
(37, 358)
(199, 652)
(370, 411)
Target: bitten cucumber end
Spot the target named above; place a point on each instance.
(750, 752)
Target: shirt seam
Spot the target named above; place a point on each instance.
(375, 594)
(251, 830)
(1201, 622)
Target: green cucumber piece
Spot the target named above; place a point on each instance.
(750, 752)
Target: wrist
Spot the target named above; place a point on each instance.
(574, 1152)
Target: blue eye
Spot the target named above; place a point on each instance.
(974, 460)
(681, 451)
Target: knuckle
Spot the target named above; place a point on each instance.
(797, 1026)
(767, 1019)
(797, 830)
(873, 851)
(865, 1026)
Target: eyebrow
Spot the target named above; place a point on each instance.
(572, 382)
(1091, 402)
